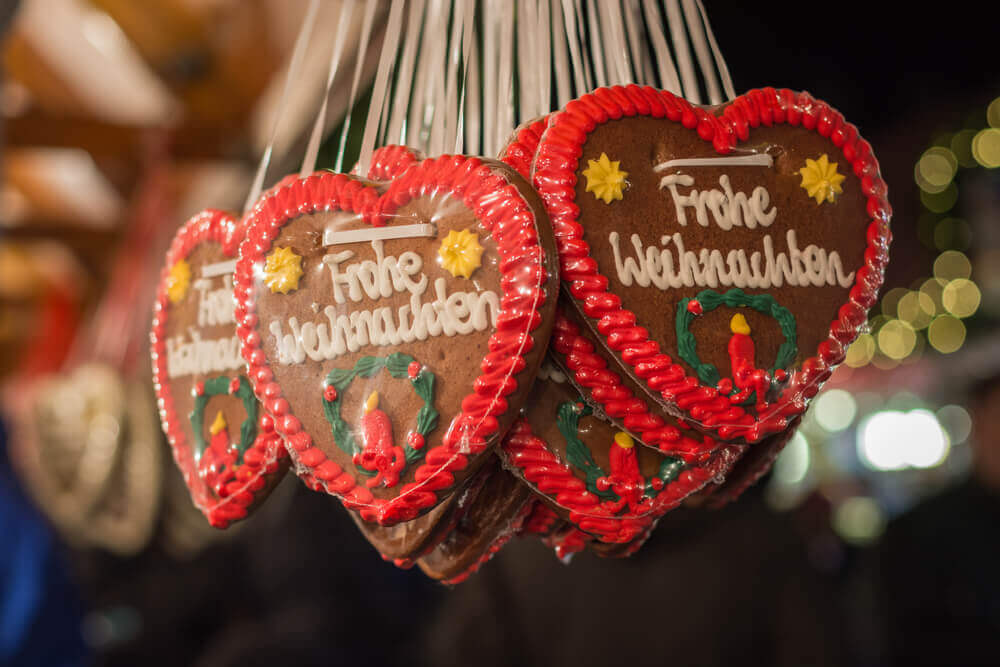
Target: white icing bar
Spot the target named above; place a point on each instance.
(331, 237)
(218, 269)
(755, 160)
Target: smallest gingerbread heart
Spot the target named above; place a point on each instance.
(221, 438)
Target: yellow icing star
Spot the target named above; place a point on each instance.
(178, 281)
(282, 270)
(605, 179)
(821, 179)
(460, 253)
(218, 424)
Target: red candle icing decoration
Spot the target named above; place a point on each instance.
(379, 452)
(625, 479)
(746, 376)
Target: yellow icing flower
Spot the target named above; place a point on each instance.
(460, 253)
(821, 179)
(178, 281)
(605, 179)
(282, 270)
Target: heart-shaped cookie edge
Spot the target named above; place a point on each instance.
(210, 225)
(554, 169)
(514, 227)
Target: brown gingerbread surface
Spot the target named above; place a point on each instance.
(639, 144)
(366, 291)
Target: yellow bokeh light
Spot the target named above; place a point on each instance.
(916, 309)
(993, 113)
(961, 147)
(946, 334)
(890, 300)
(933, 288)
(952, 233)
(951, 265)
(884, 363)
(961, 297)
(896, 339)
(861, 351)
(940, 202)
(935, 169)
(986, 147)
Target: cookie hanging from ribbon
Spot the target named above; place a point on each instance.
(394, 329)
(725, 256)
(221, 437)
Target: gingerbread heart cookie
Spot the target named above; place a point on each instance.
(592, 473)
(710, 249)
(404, 542)
(394, 329)
(492, 516)
(221, 438)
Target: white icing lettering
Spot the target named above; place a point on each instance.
(652, 265)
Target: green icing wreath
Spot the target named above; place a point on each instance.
(239, 387)
(399, 366)
(568, 416)
(709, 300)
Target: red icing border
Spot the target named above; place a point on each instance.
(554, 175)
(503, 211)
(534, 460)
(220, 227)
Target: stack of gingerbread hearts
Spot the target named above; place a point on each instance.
(716, 263)
(397, 339)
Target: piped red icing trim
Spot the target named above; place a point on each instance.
(506, 215)
(220, 227)
(541, 519)
(554, 176)
(535, 461)
(388, 162)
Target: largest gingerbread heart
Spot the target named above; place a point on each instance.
(393, 330)
(726, 256)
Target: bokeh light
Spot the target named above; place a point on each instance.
(956, 421)
(890, 301)
(961, 147)
(961, 297)
(952, 264)
(859, 520)
(792, 464)
(860, 351)
(835, 410)
(993, 113)
(895, 440)
(917, 309)
(946, 334)
(935, 169)
(986, 147)
(940, 202)
(933, 289)
(952, 234)
(896, 339)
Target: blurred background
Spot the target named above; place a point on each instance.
(874, 540)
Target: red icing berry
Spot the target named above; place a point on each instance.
(694, 307)
(415, 440)
(330, 393)
(234, 385)
(413, 369)
(199, 389)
